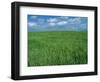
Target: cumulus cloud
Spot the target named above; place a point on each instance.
(62, 22)
(74, 20)
(63, 18)
(52, 24)
(31, 24)
(52, 20)
(33, 17)
(57, 21)
(41, 21)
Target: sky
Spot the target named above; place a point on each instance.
(42, 23)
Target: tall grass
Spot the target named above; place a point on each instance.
(57, 48)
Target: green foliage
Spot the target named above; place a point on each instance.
(57, 48)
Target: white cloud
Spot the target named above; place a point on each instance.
(62, 22)
(41, 21)
(32, 24)
(84, 25)
(52, 20)
(74, 20)
(52, 24)
(57, 21)
(33, 17)
(64, 18)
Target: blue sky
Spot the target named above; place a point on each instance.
(37, 23)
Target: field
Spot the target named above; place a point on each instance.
(57, 48)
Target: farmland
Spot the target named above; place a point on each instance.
(57, 48)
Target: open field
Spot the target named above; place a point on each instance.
(57, 48)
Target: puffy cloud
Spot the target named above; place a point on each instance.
(63, 18)
(33, 17)
(41, 21)
(57, 21)
(62, 22)
(52, 24)
(31, 24)
(52, 20)
(74, 20)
